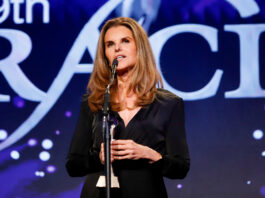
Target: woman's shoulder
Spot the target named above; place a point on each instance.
(84, 104)
(166, 96)
(168, 101)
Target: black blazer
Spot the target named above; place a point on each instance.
(160, 126)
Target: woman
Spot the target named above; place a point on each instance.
(150, 133)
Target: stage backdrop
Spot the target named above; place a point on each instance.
(209, 52)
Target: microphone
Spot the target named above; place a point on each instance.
(113, 70)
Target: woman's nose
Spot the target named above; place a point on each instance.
(117, 47)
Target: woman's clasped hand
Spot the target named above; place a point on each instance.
(128, 149)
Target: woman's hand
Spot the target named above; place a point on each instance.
(101, 155)
(128, 149)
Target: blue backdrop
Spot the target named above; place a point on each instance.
(209, 52)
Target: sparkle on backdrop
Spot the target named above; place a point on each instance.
(47, 144)
(179, 186)
(57, 132)
(3, 134)
(39, 173)
(258, 134)
(50, 169)
(44, 156)
(32, 142)
(68, 114)
(18, 102)
(15, 155)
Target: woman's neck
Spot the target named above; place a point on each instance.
(128, 99)
(123, 86)
(123, 78)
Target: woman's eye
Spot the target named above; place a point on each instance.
(109, 44)
(125, 41)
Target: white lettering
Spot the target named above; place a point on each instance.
(29, 5)
(4, 9)
(16, 4)
(246, 8)
(249, 86)
(29, 9)
(20, 50)
(210, 35)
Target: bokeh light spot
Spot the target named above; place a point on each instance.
(39, 173)
(44, 156)
(248, 182)
(32, 142)
(15, 155)
(50, 169)
(258, 134)
(3, 134)
(68, 114)
(263, 154)
(57, 132)
(42, 174)
(18, 102)
(179, 186)
(47, 144)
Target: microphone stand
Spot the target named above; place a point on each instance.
(106, 131)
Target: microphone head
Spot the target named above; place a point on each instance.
(115, 62)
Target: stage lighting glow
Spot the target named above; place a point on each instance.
(47, 144)
(32, 142)
(39, 173)
(68, 114)
(248, 182)
(57, 132)
(44, 156)
(258, 134)
(263, 154)
(262, 190)
(42, 174)
(15, 155)
(50, 169)
(179, 186)
(19, 102)
(3, 134)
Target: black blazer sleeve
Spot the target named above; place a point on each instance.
(82, 157)
(175, 163)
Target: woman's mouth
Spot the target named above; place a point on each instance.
(120, 57)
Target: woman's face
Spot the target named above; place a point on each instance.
(120, 44)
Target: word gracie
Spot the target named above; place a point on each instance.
(18, 5)
(21, 46)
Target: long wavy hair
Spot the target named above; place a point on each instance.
(144, 76)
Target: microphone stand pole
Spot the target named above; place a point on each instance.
(106, 131)
(106, 135)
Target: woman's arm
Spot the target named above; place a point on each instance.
(175, 163)
(82, 157)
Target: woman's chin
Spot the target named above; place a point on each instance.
(123, 70)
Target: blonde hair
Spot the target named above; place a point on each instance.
(144, 76)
